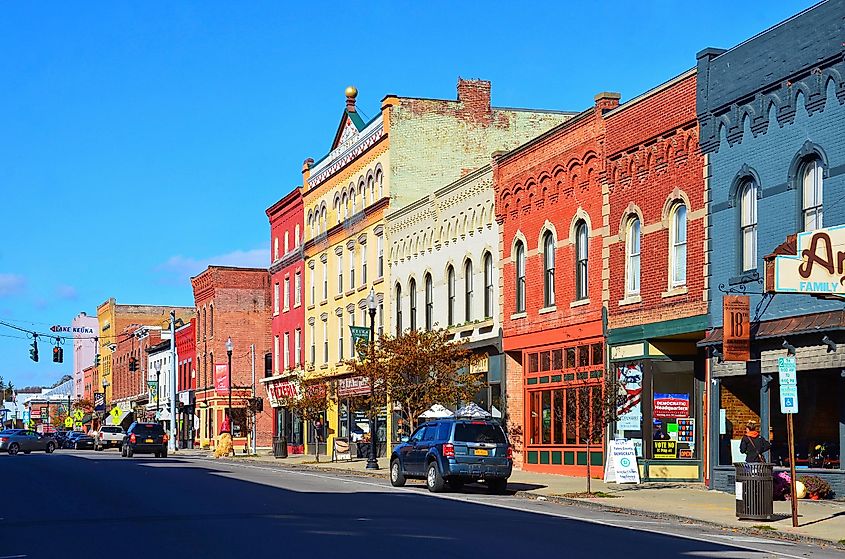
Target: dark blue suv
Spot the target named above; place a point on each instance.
(454, 451)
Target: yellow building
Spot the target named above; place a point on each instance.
(409, 149)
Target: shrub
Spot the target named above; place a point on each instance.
(816, 486)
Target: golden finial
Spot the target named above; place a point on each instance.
(352, 92)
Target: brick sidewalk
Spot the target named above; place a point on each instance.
(820, 520)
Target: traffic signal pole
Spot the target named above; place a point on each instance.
(172, 441)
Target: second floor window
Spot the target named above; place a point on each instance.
(287, 295)
(339, 338)
(520, 276)
(313, 288)
(380, 261)
(297, 346)
(429, 303)
(450, 284)
(325, 341)
(340, 274)
(398, 310)
(313, 352)
(412, 292)
(678, 239)
(581, 253)
(297, 289)
(632, 259)
(548, 270)
(468, 290)
(364, 265)
(325, 281)
(286, 349)
(488, 285)
(748, 225)
(811, 194)
(276, 295)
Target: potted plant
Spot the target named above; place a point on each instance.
(817, 488)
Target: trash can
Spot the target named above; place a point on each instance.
(754, 495)
(280, 447)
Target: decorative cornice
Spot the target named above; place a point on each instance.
(334, 162)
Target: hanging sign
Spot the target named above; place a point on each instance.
(736, 316)
(99, 401)
(221, 379)
(360, 333)
(788, 377)
(58, 329)
(152, 386)
(818, 266)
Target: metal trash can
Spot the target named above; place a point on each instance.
(754, 491)
(280, 447)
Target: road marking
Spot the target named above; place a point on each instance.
(11, 556)
(750, 539)
(612, 524)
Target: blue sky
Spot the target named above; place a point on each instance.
(141, 141)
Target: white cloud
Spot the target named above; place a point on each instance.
(181, 268)
(11, 284)
(67, 292)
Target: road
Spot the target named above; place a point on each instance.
(86, 504)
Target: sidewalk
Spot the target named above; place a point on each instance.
(819, 520)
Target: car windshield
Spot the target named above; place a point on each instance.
(479, 433)
(147, 429)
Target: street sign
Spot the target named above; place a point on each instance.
(68, 422)
(788, 377)
(115, 415)
(78, 415)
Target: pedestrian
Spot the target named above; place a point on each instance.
(753, 445)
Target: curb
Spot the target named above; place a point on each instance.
(773, 534)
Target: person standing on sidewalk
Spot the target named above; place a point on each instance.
(753, 445)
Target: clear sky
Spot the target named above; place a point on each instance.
(141, 141)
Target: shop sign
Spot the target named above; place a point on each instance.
(788, 378)
(622, 463)
(664, 450)
(35, 413)
(221, 379)
(671, 405)
(99, 401)
(818, 266)
(629, 396)
(281, 390)
(736, 313)
(359, 334)
(353, 386)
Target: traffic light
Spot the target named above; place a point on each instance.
(97, 360)
(33, 351)
(58, 354)
(133, 364)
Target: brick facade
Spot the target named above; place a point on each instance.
(186, 352)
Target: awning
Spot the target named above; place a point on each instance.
(163, 415)
(790, 326)
(123, 415)
(436, 412)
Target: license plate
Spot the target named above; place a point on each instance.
(148, 441)
(481, 452)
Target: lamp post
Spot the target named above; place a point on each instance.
(372, 462)
(229, 347)
(105, 404)
(158, 376)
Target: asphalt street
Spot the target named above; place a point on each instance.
(86, 504)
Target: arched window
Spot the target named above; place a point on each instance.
(296, 236)
(632, 257)
(429, 303)
(276, 248)
(450, 282)
(211, 320)
(468, 290)
(582, 246)
(371, 186)
(678, 241)
(380, 181)
(548, 269)
(398, 310)
(287, 242)
(488, 285)
(811, 194)
(520, 276)
(748, 225)
(412, 292)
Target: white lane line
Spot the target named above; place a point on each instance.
(11, 556)
(622, 524)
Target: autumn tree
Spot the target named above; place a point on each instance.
(416, 370)
(308, 398)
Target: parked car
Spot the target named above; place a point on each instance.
(144, 438)
(82, 441)
(61, 437)
(69, 437)
(454, 451)
(109, 436)
(14, 441)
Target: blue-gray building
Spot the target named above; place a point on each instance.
(772, 127)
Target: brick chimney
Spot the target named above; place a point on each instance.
(607, 100)
(474, 95)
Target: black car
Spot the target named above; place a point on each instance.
(144, 438)
(81, 441)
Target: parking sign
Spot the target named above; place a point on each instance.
(788, 377)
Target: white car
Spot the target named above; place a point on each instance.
(109, 436)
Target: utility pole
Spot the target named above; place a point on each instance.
(255, 415)
(172, 441)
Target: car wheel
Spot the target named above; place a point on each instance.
(433, 480)
(97, 448)
(75, 446)
(123, 451)
(397, 478)
(129, 452)
(50, 448)
(497, 486)
(14, 448)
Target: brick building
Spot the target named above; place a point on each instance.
(657, 307)
(549, 197)
(130, 371)
(186, 382)
(771, 112)
(232, 303)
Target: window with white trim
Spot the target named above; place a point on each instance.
(519, 251)
(582, 248)
(450, 305)
(286, 296)
(548, 269)
(297, 289)
(380, 261)
(632, 256)
(468, 284)
(276, 354)
(748, 225)
(678, 241)
(412, 294)
(812, 191)
(340, 337)
(286, 349)
(297, 346)
(276, 295)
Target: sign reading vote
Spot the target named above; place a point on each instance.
(667, 449)
(818, 265)
(788, 377)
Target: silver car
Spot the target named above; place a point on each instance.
(23, 440)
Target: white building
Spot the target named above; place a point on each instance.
(159, 374)
(444, 269)
(84, 329)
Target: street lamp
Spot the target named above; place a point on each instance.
(372, 462)
(229, 347)
(103, 420)
(158, 375)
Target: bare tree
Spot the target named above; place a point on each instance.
(591, 407)
(308, 399)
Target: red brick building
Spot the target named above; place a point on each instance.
(232, 303)
(549, 204)
(186, 382)
(129, 387)
(287, 276)
(657, 303)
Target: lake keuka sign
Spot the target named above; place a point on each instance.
(816, 268)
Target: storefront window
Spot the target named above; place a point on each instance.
(674, 425)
